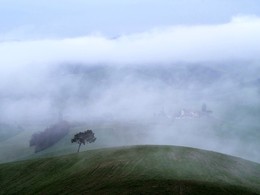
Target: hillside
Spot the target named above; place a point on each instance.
(7, 131)
(135, 169)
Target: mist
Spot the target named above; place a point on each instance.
(144, 78)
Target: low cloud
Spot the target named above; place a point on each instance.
(137, 77)
(239, 39)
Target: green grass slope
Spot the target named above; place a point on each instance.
(133, 170)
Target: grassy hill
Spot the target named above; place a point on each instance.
(133, 170)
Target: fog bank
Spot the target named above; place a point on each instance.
(143, 78)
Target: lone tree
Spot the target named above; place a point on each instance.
(84, 137)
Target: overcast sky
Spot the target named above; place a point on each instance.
(162, 31)
(30, 19)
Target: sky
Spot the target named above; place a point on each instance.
(28, 19)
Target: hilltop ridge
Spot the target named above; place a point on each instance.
(136, 169)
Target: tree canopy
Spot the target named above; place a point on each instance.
(49, 136)
(83, 138)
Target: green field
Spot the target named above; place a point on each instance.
(133, 170)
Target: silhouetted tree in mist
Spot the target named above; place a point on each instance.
(49, 136)
(84, 137)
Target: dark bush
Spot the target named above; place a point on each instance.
(49, 136)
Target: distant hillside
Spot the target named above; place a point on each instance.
(177, 75)
(50, 136)
(133, 170)
(7, 131)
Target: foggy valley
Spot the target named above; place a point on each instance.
(136, 97)
(151, 96)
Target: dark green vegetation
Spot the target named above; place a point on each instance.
(50, 136)
(133, 170)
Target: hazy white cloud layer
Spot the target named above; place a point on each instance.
(239, 39)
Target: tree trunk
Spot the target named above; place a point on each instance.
(79, 147)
